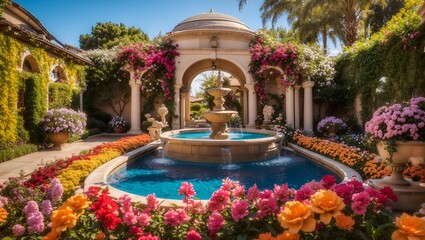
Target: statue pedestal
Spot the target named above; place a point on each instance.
(410, 197)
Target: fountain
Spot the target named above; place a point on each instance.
(251, 145)
(219, 116)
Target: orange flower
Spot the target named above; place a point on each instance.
(286, 235)
(78, 203)
(327, 203)
(344, 222)
(63, 218)
(3, 215)
(297, 216)
(51, 236)
(100, 236)
(266, 236)
(409, 228)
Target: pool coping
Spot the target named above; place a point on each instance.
(99, 176)
(345, 172)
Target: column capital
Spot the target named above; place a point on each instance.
(134, 83)
(297, 87)
(308, 84)
(250, 87)
(178, 85)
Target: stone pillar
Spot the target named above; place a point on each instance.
(176, 120)
(252, 105)
(135, 103)
(297, 106)
(308, 106)
(289, 106)
(183, 109)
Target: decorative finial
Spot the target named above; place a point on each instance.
(211, 10)
(219, 82)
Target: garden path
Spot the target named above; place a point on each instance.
(30, 162)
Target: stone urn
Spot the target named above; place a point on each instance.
(404, 151)
(332, 130)
(58, 139)
(119, 129)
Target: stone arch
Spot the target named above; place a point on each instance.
(205, 65)
(58, 74)
(29, 63)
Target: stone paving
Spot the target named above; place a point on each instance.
(30, 162)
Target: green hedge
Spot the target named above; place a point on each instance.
(16, 152)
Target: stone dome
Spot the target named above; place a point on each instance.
(211, 21)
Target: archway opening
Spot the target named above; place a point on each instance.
(200, 76)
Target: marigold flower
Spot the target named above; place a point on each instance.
(409, 228)
(63, 218)
(3, 215)
(297, 216)
(327, 203)
(344, 222)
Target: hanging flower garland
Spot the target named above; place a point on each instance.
(158, 63)
(263, 56)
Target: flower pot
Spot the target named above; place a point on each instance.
(404, 151)
(119, 129)
(58, 139)
(332, 130)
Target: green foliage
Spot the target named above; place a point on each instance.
(34, 108)
(388, 66)
(3, 3)
(108, 35)
(16, 151)
(60, 95)
(22, 135)
(195, 107)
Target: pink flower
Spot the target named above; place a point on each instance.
(136, 231)
(186, 189)
(345, 191)
(266, 204)
(144, 219)
(129, 218)
(304, 193)
(3, 201)
(30, 208)
(239, 209)
(193, 235)
(46, 208)
(152, 203)
(18, 230)
(176, 217)
(215, 222)
(219, 200)
(328, 181)
(56, 190)
(253, 193)
(389, 193)
(360, 203)
(282, 193)
(239, 191)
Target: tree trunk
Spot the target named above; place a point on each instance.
(325, 39)
(350, 29)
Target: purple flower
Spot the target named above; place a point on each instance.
(46, 208)
(18, 230)
(30, 208)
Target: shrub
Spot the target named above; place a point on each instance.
(195, 107)
(16, 152)
(60, 95)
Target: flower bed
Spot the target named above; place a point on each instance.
(361, 161)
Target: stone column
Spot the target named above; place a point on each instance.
(308, 106)
(135, 103)
(183, 109)
(176, 120)
(252, 105)
(297, 106)
(289, 106)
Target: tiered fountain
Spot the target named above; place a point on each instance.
(245, 146)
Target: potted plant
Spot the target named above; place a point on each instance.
(118, 124)
(59, 123)
(399, 133)
(330, 126)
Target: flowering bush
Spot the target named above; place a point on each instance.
(118, 122)
(279, 125)
(63, 120)
(399, 122)
(331, 122)
(318, 66)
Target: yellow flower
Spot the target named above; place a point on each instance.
(297, 216)
(286, 235)
(409, 228)
(327, 203)
(344, 222)
(3, 215)
(63, 218)
(77, 202)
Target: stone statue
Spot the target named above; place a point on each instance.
(162, 112)
(268, 113)
(155, 130)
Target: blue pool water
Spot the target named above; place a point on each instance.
(232, 135)
(153, 174)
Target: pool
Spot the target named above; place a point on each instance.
(232, 135)
(154, 174)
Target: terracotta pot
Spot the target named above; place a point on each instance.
(58, 139)
(404, 151)
(332, 130)
(119, 129)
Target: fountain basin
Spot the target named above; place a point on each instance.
(211, 151)
(218, 92)
(218, 116)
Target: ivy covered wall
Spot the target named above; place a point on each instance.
(390, 65)
(35, 91)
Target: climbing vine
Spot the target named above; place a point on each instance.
(388, 66)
